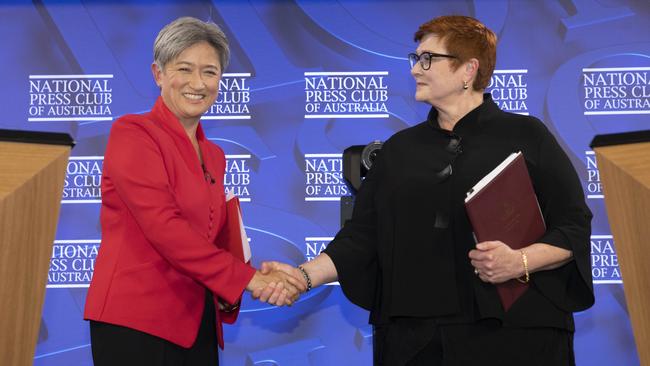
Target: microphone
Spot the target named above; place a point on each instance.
(207, 175)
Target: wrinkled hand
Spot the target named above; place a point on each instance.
(496, 262)
(268, 293)
(282, 289)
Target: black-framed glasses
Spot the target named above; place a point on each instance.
(425, 58)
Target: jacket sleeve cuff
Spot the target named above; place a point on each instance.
(242, 275)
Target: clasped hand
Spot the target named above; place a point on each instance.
(496, 262)
(277, 284)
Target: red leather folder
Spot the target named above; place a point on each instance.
(233, 239)
(503, 206)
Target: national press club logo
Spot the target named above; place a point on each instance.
(616, 90)
(592, 186)
(237, 177)
(72, 263)
(346, 94)
(233, 99)
(604, 261)
(509, 90)
(324, 177)
(83, 180)
(66, 98)
(314, 245)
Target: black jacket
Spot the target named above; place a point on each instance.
(405, 250)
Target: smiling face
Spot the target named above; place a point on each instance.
(189, 84)
(440, 84)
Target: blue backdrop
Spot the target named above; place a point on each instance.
(307, 79)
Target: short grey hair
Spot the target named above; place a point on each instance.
(185, 32)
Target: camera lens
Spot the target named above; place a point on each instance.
(369, 153)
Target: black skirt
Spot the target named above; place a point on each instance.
(116, 345)
(417, 341)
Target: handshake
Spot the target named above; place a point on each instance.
(281, 284)
(278, 283)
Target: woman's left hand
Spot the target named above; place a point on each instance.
(496, 262)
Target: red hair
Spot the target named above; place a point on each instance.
(465, 38)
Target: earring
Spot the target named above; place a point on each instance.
(465, 86)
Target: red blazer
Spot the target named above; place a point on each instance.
(160, 217)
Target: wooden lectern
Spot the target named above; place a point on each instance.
(32, 172)
(624, 165)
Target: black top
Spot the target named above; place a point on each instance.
(34, 137)
(405, 250)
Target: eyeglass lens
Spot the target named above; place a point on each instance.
(424, 59)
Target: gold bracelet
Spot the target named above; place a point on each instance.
(526, 276)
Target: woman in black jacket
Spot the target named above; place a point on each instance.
(408, 254)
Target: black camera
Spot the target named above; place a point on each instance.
(357, 161)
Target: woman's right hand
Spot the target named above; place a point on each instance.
(281, 288)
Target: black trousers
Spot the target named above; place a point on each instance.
(422, 342)
(114, 345)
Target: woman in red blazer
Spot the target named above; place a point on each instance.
(159, 274)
